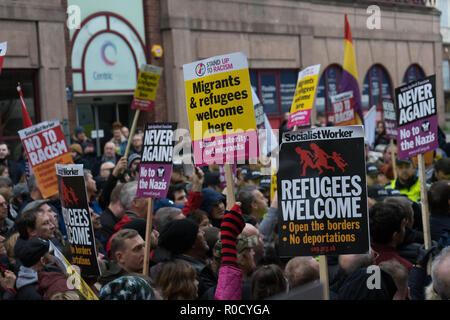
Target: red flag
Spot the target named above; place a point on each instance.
(3, 47)
(26, 118)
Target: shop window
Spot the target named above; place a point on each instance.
(10, 109)
(275, 89)
(413, 73)
(377, 86)
(329, 85)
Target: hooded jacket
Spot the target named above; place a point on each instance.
(209, 199)
(26, 284)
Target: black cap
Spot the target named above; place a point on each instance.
(212, 178)
(372, 169)
(265, 182)
(406, 160)
(29, 252)
(253, 175)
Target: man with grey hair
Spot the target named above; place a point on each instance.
(440, 274)
(166, 214)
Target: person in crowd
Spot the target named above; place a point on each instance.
(200, 217)
(400, 276)
(380, 134)
(133, 166)
(129, 287)
(213, 203)
(387, 153)
(251, 230)
(254, 204)
(264, 187)
(439, 289)
(166, 214)
(77, 154)
(185, 241)
(116, 176)
(7, 285)
(4, 172)
(37, 267)
(137, 144)
(386, 174)
(267, 281)
(212, 181)
(442, 169)
(355, 286)
(135, 207)
(177, 174)
(38, 220)
(13, 171)
(407, 181)
(301, 270)
(439, 205)
(347, 264)
(125, 131)
(109, 153)
(127, 256)
(91, 190)
(119, 141)
(106, 169)
(177, 281)
(112, 214)
(6, 225)
(371, 174)
(387, 232)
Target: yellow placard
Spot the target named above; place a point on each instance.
(147, 84)
(304, 94)
(221, 102)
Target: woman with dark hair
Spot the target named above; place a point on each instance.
(177, 281)
(267, 281)
(380, 134)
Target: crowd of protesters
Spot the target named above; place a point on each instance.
(200, 250)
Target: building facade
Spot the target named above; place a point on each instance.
(282, 37)
(36, 57)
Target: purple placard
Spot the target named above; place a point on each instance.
(390, 122)
(155, 168)
(418, 138)
(154, 180)
(416, 115)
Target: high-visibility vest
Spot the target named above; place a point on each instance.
(413, 193)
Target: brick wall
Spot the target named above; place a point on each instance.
(70, 104)
(153, 36)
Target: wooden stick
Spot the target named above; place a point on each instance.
(133, 128)
(424, 205)
(323, 271)
(148, 231)
(394, 165)
(231, 198)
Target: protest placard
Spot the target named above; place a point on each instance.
(77, 218)
(390, 120)
(322, 192)
(45, 145)
(74, 279)
(220, 109)
(3, 48)
(303, 100)
(155, 167)
(416, 116)
(343, 109)
(147, 84)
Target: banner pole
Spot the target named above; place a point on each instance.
(231, 198)
(424, 205)
(148, 230)
(394, 165)
(323, 272)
